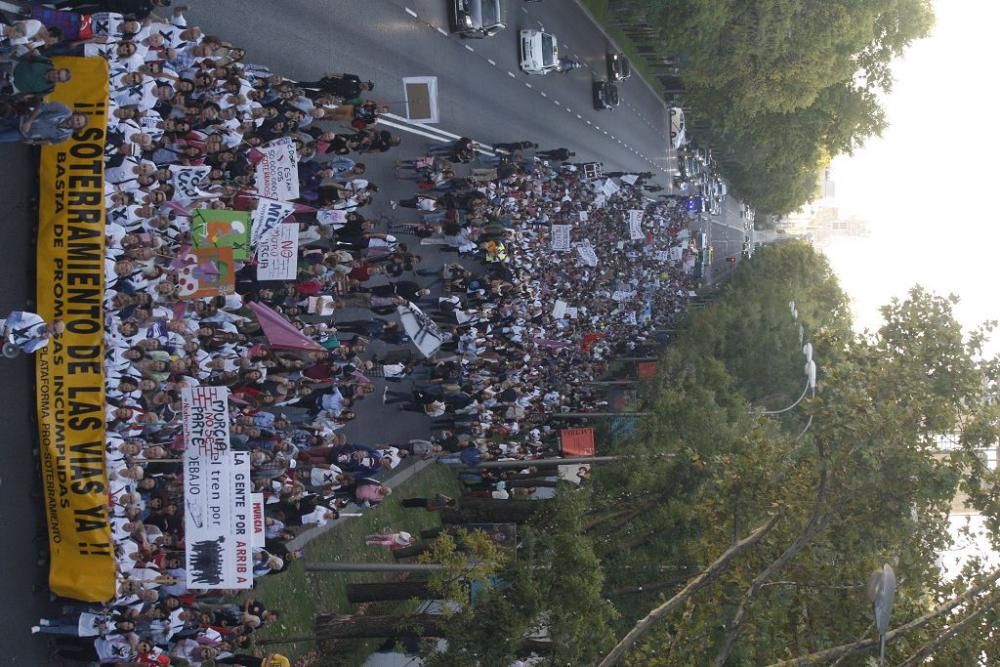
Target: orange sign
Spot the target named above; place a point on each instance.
(647, 370)
(577, 441)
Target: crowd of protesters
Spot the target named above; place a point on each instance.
(515, 337)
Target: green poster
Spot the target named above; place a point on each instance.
(219, 228)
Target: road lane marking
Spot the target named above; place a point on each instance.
(579, 116)
(544, 94)
(469, 48)
(491, 61)
(511, 74)
(422, 133)
(410, 12)
(441, 30)
(528, 85)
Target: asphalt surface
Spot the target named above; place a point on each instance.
(21, 586)
(482, 94)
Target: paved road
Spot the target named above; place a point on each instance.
(20, 515)
(482, 94)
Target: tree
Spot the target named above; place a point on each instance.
(880, 490)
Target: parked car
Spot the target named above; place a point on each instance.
(539, 52)
(476, 19)
(619, 68)
(605, 95)
(677, 130)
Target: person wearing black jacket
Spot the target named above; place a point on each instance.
(344, 86)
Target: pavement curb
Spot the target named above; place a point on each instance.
(393, 480)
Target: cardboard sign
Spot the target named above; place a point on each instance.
(561, 237)
(278, 253)
(221, 228)
(577, 441)
(587, 254)
(205, 272)
(559, 309)
(218, 515)
(259, 537)
(277, 174)
(187, 182)
(269, 214)
(635, 230)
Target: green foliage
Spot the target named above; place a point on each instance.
(785, 85)
(468, 557)
(866, 485)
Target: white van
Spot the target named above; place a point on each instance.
(539, 52)
(677, 130)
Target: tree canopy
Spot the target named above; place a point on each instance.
(783, 85)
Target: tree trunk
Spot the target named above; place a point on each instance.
(488, 510)
(340, 626)
(389, 590)
(529, 482)
(707, 576)
(411, 551)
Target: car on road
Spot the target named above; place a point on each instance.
(619, 68)
(476, 19)
(539, 51)
(677, 129)
(606, 95)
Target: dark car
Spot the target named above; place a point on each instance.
(619, 68)
(605, 95)
(476, 18)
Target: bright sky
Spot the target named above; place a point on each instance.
(926, 186)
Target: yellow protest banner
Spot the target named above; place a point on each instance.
(69, 372)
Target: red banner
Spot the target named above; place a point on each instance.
(647, 370)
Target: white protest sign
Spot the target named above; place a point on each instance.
(587, 254)
(269, 214)
(609, 187)
(559, 309)
(635, 215)
(331, 216)
(635, 230)
(584, 216)
(677, 253)
(630, 178)
(630, 317)
(259, 537)
(572, 312)
(278, 253)
(186, 182)
(561, 237)
(662, 255)
(620, 295)
(217, 512)
(277, 174)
